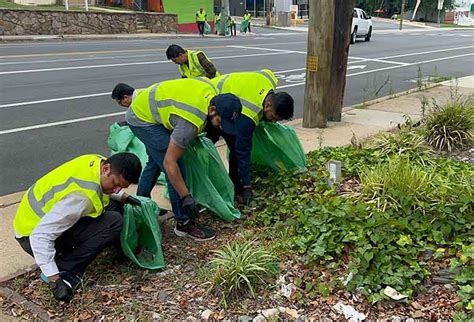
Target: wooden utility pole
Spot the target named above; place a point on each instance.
(318, 62)
(402, 11)
(340, 55)
(326, 62)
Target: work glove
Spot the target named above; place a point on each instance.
(61, 291)
(190, 207)
(133, 201)
(246, 195)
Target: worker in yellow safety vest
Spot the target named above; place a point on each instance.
(71, 214)
(247, 19)
(201, 18)
(256, 91)
(167, 117)
(192, 63)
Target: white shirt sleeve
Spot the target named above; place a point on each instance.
(62, 216)
(117, 196)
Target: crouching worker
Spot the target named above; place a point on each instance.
(67, 217)
(167, 117)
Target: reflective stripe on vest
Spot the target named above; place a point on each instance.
(80, 175)
(187, 97)
(251, 89)
(38, 205)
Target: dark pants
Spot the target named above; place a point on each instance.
(156, 140)
(248, 28)
(214, 134)
(233, 30)
(200, 25)
(78, 246)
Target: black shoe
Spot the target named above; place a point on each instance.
(194, 231)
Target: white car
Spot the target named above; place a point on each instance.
(361, 25)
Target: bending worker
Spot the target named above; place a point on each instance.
(256, 91)
(67, 218)
(166, 117)
(192, 63)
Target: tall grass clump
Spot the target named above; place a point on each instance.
(450, 127)
(238, 268)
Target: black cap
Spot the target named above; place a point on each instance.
(229, 107)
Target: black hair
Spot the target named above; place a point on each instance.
(174, 51)
(125, 164)
(120, 90)
(283, 105)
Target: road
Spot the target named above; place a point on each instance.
(55, 96)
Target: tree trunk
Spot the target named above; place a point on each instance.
(342, 30)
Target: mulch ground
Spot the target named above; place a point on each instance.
(118, 290)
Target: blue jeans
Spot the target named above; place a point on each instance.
(156, 139)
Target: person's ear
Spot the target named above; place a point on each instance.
(105, 169)
(212, 109)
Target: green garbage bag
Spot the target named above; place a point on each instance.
(121, 139)
(207, 179)
(207, 29)
(243, 26)
(218, 27)
(141, 234)
(277, 146)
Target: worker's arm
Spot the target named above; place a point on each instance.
(62, 216)
(207, 66)
(243, 147)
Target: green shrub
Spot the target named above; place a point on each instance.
(239, 267)
(406, 142)
(450, 127)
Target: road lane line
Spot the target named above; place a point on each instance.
(279, 87)
(377, 61)
(58, 99)
(129, 50)
(129, 64)
(267, 49)
(40, 126)
(426, 52)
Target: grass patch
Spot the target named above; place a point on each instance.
(239, 267)
(451, 127)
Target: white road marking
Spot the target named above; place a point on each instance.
(426, 52)
(40, 126)
(130, 64)
(378, 60)
(49, 100)
(356, 67)
(279, 87)
(269, 49)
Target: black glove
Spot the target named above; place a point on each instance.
(190, 207)
(133, 201)
(61, 291)
(246, 195)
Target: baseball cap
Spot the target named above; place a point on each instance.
(229, 107)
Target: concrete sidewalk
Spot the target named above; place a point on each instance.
(378, 116)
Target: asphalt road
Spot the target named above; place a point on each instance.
(55, 96)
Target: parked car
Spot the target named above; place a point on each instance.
(361, 25)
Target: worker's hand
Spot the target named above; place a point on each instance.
(61, 291)
(190, 207)
(133, 201)
(247, 195)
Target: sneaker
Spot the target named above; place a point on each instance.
(194, 231)
(71, 280)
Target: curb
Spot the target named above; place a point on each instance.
(20, 38)
(19, 300)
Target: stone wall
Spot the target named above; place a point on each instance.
(29, 22)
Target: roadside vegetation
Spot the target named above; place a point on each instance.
(401, 217)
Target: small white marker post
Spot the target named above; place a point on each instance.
(66, 4)
(334, 169)
(87, 5)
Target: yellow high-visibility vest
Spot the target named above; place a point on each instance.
(81, 174)
(201, 16)
(247, 17)
(186, 97)
(250, 87)
(193, 68)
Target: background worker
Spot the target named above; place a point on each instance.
(201, 18)
(256, 91)
(192, 63)
(232, 26)
(67, 218)
(166, 117)
(247, 19)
